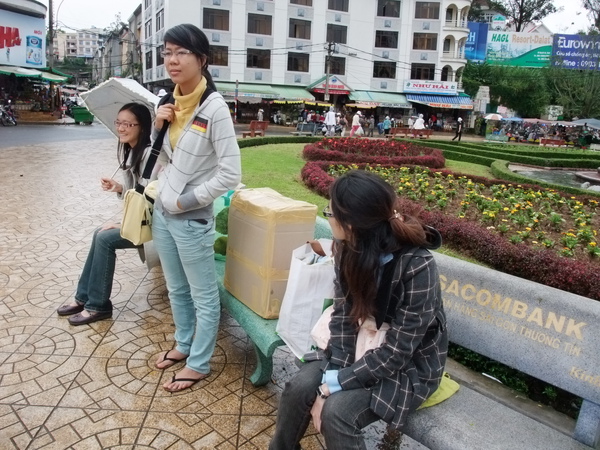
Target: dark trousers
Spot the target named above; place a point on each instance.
(458, 134)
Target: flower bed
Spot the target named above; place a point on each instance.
(352, 150)
(526, 231)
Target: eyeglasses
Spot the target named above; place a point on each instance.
(327, 212)
(179, 54)
(125, 124)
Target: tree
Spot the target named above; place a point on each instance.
(577, 91)
(523, 12)
(593, 6)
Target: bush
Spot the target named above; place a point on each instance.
(374, 152)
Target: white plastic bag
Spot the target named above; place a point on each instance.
(360, 131)
(310, 283)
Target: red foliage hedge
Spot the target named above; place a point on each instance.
(354, 151)
(472, 239)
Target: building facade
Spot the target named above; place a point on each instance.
(377, 47)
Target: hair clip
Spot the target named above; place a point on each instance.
(396, 215)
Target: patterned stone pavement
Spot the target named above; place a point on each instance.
(95, 386)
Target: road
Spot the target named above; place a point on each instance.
(29, 134)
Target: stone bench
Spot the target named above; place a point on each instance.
(399, 132)
(306, 129)
(549, 334)
(553, 142)
(257, 128)
(260, 331)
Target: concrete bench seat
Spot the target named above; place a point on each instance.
(306, 129)
(260, 331)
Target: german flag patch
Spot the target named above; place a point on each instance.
(200, 124)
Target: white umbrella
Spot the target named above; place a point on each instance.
(493, 116)
(105, 100)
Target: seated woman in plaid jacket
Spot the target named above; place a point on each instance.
(383, 270)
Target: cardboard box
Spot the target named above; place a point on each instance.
(264, 228)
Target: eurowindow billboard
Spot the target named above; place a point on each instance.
(22, 41)
(507, 48)
(575, 51)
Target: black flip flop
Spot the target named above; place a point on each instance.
(166, 358)
(192, 380)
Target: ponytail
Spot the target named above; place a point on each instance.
(405, 224)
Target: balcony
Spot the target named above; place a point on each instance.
(458, 56)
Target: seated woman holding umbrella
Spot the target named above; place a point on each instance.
(92, 298)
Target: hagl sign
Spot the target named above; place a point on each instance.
(430, 87)
(519, 49)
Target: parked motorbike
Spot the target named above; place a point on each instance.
(7, 115)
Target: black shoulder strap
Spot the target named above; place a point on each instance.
(156, 146)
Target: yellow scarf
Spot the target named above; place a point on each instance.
(187, 105)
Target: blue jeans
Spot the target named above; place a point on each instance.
(95, 283)
(186, 252)
(344, 415)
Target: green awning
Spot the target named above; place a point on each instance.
(20, 71)
(53, 78)
(293, 93)
(378, 98)
(248, 90)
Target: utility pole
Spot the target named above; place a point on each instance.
(330, 47)
(51, 51)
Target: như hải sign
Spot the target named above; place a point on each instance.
(575, 51)
(519, 49)
(22, 40)
(431, 87)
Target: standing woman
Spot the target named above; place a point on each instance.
(201, 161)
(92, 298)
(384, 270)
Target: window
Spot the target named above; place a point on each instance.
(298, 62)
(422, 71)
(159, 59)
(447, 44)
(148, 3)
(425, 41)
(259, 24)
(160, 20)
(427, 10)
(258, 59)
(386, 39)
(386, 8)
(218, 55)
(148, 60)
(216, 19)
(384, 69)
(337, 65)
(299, 29)
(336, 33)
(338, 5)
(301, 2)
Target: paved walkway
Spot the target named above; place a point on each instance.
(95, 386)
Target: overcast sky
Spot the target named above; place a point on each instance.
(78, 14)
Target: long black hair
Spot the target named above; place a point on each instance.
(193, 39)
(144, 118)
(368, 210)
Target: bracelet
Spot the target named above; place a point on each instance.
(321, 394)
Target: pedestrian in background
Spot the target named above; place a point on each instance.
(355, 123)
(259, 116)
(370, 126)
(342, 122)
(385, 270)
(201, 161)
(459, 129)
(387, 125)
(330, 120)
(92, 297)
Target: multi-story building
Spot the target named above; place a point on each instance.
(385, 53)
(82, 43)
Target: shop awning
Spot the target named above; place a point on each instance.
(377, 98)
(441, 101)
(53, 77)
(19, 71)
(335, 86)
(246, 91)
(293, 94)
